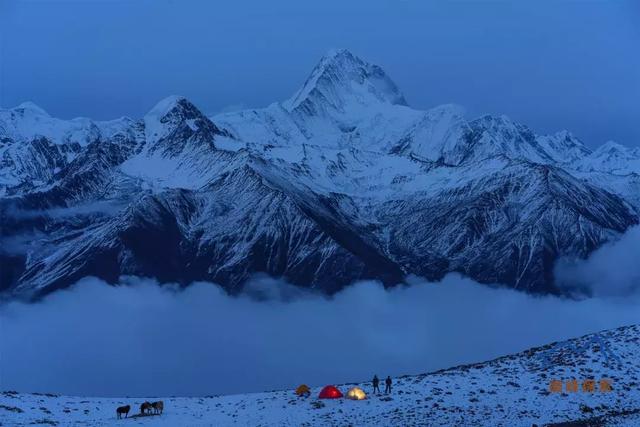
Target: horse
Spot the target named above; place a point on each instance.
(158, 407)
(145, 408)
(123, 410)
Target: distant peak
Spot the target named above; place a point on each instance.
(490, 121)
(31, 107)
(341, 77)
(177, 115)
(166, 105)
(453, 110)
(611, 147)
(340, 56)
(564, 134)
(168, 114)
(335, 52)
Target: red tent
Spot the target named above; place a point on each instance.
(330, 392)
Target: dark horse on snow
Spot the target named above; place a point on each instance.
(123, 410)
(158, 407)
(145, 408)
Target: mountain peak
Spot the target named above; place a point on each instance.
(338, 53)
(176, 122)
(168, 114)
(32, 108)
(341, 78)
(167, 105)
(611, 147)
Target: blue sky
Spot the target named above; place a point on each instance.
(550, 64)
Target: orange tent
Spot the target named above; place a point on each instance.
(303, 389)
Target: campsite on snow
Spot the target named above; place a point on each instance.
(374, 213)
(514, 390)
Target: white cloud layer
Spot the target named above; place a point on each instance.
(613, 269)
(145, 339)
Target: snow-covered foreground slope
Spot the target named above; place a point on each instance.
(510, 391)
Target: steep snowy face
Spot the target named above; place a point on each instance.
(34, 146)
(443, 134)
(345, 102)
(349, 103)
(563, 147)
(30, 108)
(28, 121)
(179, 147)
(491, 136)
(342, 81)
(614, 158)
(436, 136)
(175, 120)
(504, 223)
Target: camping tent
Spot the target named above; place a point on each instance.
(356, 393)
(330, 392)
(303, 389)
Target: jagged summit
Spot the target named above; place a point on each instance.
(341, 78)
(564, 147)
(167, 105)
(168, 114)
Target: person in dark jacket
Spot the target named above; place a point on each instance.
(387, 385)
(376, 382)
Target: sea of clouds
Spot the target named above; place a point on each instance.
(145, 338)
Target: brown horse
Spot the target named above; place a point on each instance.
(145, 408)
(158, 407)
(123, 410)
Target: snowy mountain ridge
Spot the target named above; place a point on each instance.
(342, 181)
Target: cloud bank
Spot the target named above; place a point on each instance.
(611, 270)
(144, 339)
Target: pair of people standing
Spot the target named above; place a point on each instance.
(376, 385)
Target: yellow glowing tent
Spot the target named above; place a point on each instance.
(303, 389)
(356, 393)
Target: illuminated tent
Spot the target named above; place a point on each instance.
(356, 393)
(303, 389)
(330, 392)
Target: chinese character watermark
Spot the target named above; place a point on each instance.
(585, 386)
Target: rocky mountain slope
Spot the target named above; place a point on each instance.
(342, 181)
(514, 390)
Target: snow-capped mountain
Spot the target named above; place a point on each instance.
(613, 158)
(342, 181)
(514, 390)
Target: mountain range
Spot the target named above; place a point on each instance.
(343, 181)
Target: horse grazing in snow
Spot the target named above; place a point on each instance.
(123, 410)
(158, 407)
(145, 408)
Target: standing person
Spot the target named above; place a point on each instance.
(376, 382)
(387, 385)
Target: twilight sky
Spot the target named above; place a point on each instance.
(549, 64)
